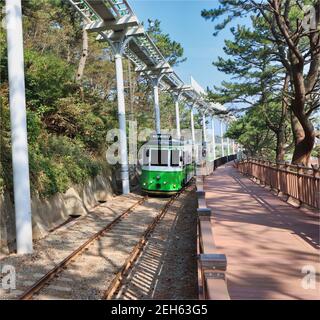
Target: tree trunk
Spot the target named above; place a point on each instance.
(304, 142)
(303, 83)
(280, 151)
(297, 130)
(83, 59)
(281, 137)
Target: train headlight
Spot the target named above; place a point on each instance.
(174, 185)
(144, 183)
(151, 181)
(158, 177)
(165, 182)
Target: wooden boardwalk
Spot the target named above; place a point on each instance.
(267, 242)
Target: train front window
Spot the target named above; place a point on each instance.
(159, 158)
(175, 158)
(146, 155)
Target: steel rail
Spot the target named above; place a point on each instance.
(129, 263)
(37, 286)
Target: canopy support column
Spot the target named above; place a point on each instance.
(192, 126)
(156, 107)
(213, 139)
(20, 160)
(176, 102)
(204, 127)
(118, 46)
(155, 81)
(122, 125)
(177, 94)
(221, 135)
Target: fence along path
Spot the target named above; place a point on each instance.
(266, 241)
(299, 182)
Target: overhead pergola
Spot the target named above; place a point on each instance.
(115, 20)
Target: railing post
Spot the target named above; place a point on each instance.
(280, 178)
(295, 201)
(278, 175)
(261, 172)
(269, 172)
(316, 186)
(287, 184)
(300, 173)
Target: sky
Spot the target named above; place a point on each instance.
(182, 20)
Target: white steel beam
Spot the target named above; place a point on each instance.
(158, 68)
(99, 6)
(114, 36)
(124, 22)
(20, 161)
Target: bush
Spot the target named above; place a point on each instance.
(57, 162)
(47, 79)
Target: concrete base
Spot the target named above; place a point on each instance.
(50, 213)
(7, 223)
(294, 202)
(283, 196)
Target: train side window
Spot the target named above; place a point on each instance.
(175, 158)
(154, 157)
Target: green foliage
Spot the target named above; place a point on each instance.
(58, 162)
(48, 78)
(257, 82)
(171, 50)
(251, 131)
(316, 151)
(66, 133)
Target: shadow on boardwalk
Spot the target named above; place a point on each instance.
(267, 241)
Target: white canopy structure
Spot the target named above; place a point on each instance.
(114, 22)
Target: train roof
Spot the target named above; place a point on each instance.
(167, 140)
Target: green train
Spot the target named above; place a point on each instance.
(167, 165)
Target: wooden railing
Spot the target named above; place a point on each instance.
(212, 265)
(207, 167)
(299, 182)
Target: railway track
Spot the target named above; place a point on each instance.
(97, 255)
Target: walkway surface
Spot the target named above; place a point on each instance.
(268, 243)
